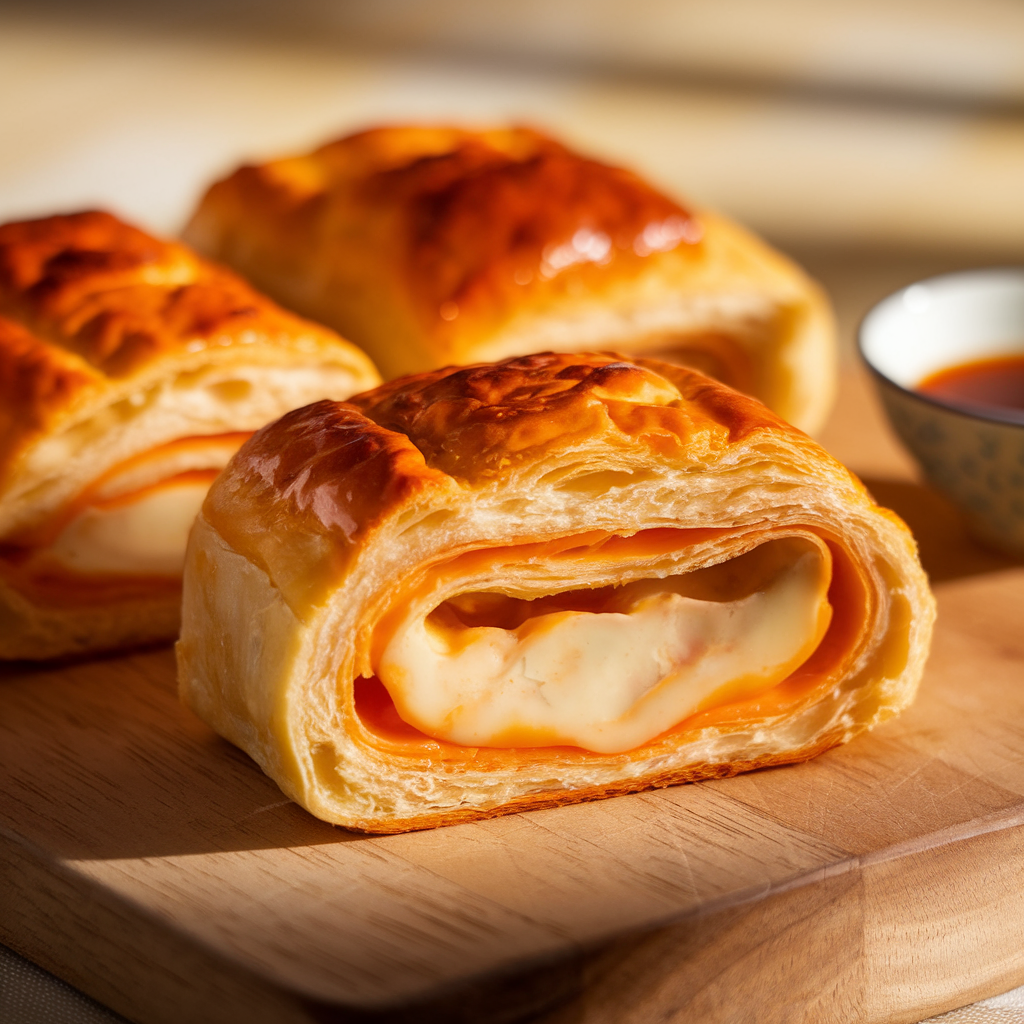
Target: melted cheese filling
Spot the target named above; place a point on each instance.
(136, 519)
(608, 670)
(145, 535)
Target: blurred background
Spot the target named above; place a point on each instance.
(877, 142)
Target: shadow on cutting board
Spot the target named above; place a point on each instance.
(101, 761)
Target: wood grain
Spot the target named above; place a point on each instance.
(152, 865)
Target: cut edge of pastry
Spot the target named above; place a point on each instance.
(200, 396)
(358, 781)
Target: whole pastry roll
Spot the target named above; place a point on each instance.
(431, 246)
(554, 578)
(130, 372)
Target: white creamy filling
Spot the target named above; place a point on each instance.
(136, 519)
(145, 536)
(607, 680)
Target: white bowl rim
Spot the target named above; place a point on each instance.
(984, 413)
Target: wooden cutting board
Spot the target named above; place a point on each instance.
(152, 865)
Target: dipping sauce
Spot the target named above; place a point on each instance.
(985, 382)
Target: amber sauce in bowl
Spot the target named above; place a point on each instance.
(979, 384)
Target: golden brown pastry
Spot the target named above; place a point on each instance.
(130, 372)
(432, 246)
(560, 577)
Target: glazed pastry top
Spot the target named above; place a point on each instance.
(473, 217)
(94, 312)
(336, 471)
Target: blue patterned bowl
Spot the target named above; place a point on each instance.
(974, 456)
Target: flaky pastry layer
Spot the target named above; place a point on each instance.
(544, 475)
(115, 345)
(430, 246)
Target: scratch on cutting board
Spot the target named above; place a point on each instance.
(261, 810)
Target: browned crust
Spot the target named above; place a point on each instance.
(88, 301)
(471, 421)
(339, 466)
(35, 379)
(337, 472)
(474, 422)
(117, 297)
(543, 801)
(471, 217)
(462, 223)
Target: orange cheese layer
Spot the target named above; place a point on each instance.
(825, 639)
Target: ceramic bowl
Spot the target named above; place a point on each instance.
(976, 458)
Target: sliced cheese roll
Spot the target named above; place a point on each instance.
(130, 372)
(433, 245)
(554, 578)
